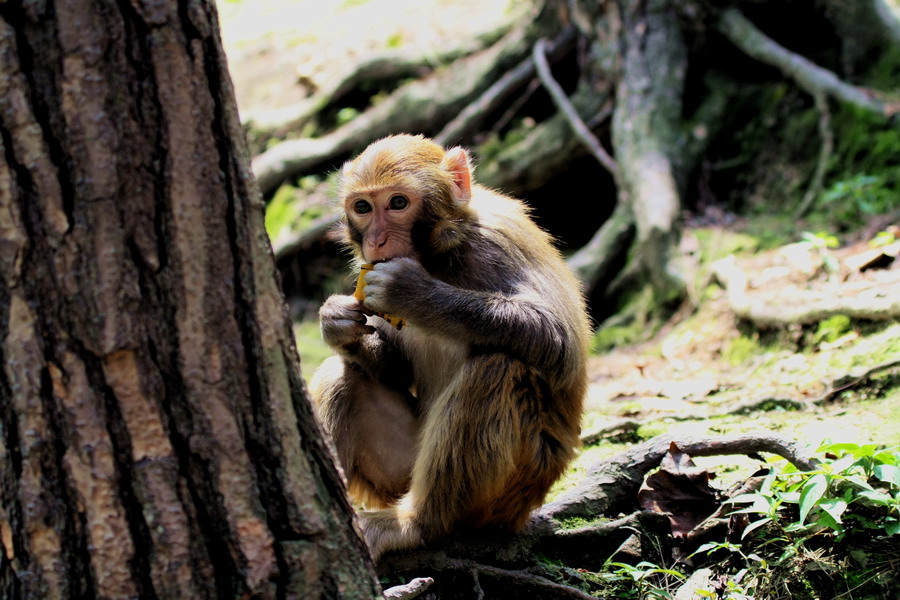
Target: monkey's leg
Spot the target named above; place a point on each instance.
(490, 448)
(373, 428)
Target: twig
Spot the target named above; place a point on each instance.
(413, 589)
(563, 104)
(811, 77)
(815, 186)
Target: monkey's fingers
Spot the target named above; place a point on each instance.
(360, 294)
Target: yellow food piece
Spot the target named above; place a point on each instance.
(360, 295)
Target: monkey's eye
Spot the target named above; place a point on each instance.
(398, 202)
(362, 207)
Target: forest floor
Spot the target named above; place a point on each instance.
(705, 371)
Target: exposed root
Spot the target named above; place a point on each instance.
(876, 300)
(811, 77)
(610, 487)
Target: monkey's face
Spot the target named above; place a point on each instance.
(381, 222)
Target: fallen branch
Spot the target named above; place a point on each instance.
(811, 77)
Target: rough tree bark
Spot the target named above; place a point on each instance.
(645, 127)
(157, 439)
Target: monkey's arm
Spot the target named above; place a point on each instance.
(524, 324)
(344, 328)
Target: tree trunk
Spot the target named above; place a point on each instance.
(645, 128)
(157, 439)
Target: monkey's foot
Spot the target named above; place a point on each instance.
(389, 529)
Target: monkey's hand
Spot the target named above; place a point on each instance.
(343, 321)
(393, 286)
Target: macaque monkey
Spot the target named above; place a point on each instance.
(465, 416)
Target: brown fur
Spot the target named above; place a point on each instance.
(467, 416)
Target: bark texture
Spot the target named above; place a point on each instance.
(157, 439)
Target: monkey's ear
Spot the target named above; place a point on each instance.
(456, 163)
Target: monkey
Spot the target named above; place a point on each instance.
(465, 417)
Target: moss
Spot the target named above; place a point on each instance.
(607, 338)
(651, 430)
(740, 349)
(716, 243)
(832, 329)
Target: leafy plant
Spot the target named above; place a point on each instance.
(646, 579)
(861, 484)
(821, 242)
(860, 196)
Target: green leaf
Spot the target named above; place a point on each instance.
(834, 507)
(756, 525)
(812, 492)
(877, 497)
(859, 482)
(888, 474)
(892, 528)
(826, 520)
(790, 497)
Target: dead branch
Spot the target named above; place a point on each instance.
(562, 103)
(811, 77)
(494, 96)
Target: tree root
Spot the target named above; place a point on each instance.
(811, 77)
(879, 300)
(840, 385)
(565, 107)
(384, 66)
(889, 15)
(546, 150)
(494, 96)
(612, 484)
(815, 185)
(413, 589)
(610, 488)
(414, 107)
